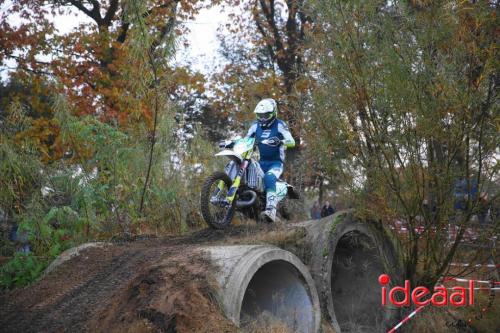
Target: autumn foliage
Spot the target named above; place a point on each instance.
(394, 106)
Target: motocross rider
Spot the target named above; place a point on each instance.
(272, 136)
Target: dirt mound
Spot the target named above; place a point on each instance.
(153, 285)
(143, 285)
(171, 296)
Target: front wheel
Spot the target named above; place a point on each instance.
(215, 211)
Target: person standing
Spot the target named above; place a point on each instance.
(327, 210)
(316, 211)
(483, 209)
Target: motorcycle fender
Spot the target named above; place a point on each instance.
(231, 155)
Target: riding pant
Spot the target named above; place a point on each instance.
(272, 172)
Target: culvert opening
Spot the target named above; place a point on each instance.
(356, 299)
(277, 296)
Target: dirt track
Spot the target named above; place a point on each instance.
(141, 286)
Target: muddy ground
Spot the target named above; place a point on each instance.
(144, 285)
(152, 285)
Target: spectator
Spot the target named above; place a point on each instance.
(327, 210)
(429, 211)
(20, 238)
(316, 211)
(464, 192)
(483, 208)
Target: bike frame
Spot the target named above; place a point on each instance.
(231, 194)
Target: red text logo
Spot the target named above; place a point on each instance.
(421, 296)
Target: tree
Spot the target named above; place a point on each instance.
(91, 63)
(406, 108)
(266, 50)
(267, 43)
(89, 147)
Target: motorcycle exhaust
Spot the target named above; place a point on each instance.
(246, 203)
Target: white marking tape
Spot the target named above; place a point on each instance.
(467, 280)
(478, 265)
(479, 288)
(406, 319)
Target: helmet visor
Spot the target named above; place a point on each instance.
(264, 116)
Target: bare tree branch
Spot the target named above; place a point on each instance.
(113, 7)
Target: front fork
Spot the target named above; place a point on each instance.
(231, 194)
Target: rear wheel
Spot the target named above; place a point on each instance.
(215, 211)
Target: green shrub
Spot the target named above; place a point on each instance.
(92, 190)
(21, 270)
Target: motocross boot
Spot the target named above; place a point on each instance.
(269, 215)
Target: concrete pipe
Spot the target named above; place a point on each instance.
(345, 258)
(265, 283)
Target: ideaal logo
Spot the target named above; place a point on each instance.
(421, 296)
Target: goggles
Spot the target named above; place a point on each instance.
(264, 116)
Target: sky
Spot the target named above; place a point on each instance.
(201, 54)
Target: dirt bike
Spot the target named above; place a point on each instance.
(240, 187)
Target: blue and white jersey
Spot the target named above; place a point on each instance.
(277, 129)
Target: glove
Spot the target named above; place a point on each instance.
(272, 142)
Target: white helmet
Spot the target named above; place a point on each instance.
(266, 112)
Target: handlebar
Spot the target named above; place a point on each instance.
(230, 143)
